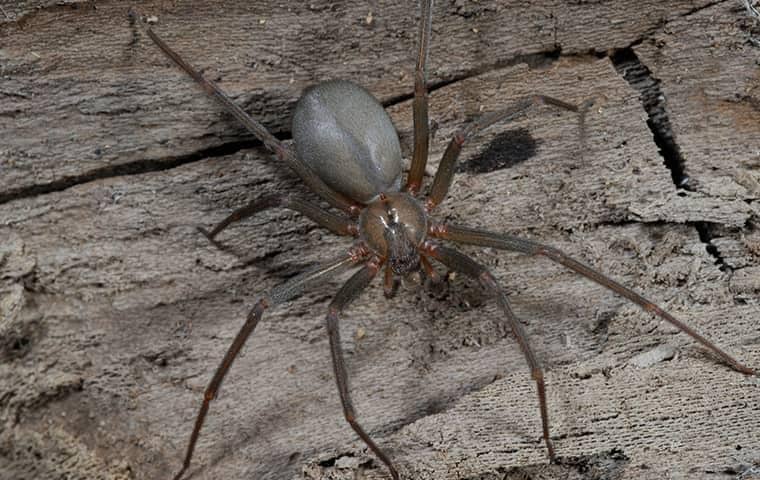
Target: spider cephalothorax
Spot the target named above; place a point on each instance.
(394, 226)
(348, 153)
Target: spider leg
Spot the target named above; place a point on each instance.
(462, 263)
(257, 129)
(335, 223)
(282, 293)
(347, 293)
(516, 244)
(390, 283)
(430, 272)
(420, 104)
(445, 173)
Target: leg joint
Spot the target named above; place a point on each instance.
(487, 280)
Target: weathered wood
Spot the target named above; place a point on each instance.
(114, 311)
(715, 112)
(86, 97)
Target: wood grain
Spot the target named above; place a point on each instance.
(114, 311)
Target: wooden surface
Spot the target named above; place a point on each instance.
(114, 311)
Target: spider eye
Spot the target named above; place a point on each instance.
(393, 215)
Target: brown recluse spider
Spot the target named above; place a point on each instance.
(347, 151)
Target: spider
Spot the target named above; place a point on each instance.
(347, 151)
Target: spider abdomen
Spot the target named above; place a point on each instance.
(348, 139)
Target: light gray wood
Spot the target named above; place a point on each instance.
(114, 311)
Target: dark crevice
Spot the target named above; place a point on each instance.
(538, 60)
(132, 168)
(628, 64)
(606, 465)
(624, 57)
(703, 7)
(640, 77)
(27, 14)
(704, 229)
(330, 463)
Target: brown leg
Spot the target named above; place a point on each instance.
(335, 223)
(257, 129)
(420, 105)
(462, 263)
(390, 283)
(430, 272)
(515, 244)
(348, 292)
(287, 291)
(445, 173)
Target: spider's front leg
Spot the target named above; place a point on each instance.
(459, 262)
(352, 288)
(280, 294)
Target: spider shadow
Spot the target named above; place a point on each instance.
(235, 240)
(505, 150)
(263, 423)
(439, 337)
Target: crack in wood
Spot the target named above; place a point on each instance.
(26, 14)
(638, 75)
(653, 99)
(537, 60)
(131, 168)
(696, 10)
